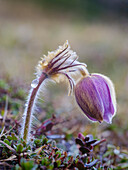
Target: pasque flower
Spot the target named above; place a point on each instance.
(95, 95)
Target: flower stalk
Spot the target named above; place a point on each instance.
(30, 105)
(59, 65)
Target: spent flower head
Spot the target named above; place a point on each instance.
(61, 63)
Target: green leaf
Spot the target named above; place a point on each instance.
(37, 142)
(58, 163)
(45, 161)
(19, 148)
(9, 137)
(123, 165)
(6, 141)
(44, 141)
(58, 153)
(14, 137)
(28, 165)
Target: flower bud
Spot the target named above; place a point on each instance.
(95, 95)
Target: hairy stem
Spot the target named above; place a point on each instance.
(30, 105)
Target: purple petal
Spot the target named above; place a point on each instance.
(104, 92)
(89, 100)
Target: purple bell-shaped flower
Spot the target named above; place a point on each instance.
(95, 94)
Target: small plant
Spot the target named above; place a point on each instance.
(86, 146)
(94, 93)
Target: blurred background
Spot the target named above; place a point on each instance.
(97, 30)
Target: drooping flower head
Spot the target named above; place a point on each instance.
(95, 95)
(61, 63)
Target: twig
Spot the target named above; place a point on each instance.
(7, 131)
(13, 157)
(6, 164)
(2, 132)
(9, 147)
